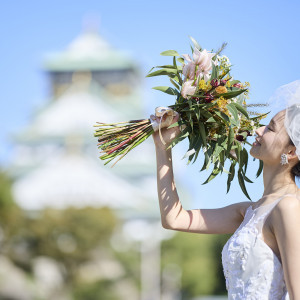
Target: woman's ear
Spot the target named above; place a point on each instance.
(292, 153)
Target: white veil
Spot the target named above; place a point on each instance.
(288, 97)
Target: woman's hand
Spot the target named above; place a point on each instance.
(167, 135)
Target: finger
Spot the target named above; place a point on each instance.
(176, 118)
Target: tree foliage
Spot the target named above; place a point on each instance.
(199, 257)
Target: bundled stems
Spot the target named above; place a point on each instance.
(117, 139)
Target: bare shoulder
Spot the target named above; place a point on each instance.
(286, 211)
(287, 205)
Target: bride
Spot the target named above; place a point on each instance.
(261, 260)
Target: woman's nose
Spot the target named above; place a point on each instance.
(260, 130)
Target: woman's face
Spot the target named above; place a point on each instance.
(272, 139)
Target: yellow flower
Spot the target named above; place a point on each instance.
(221, 102)
(202, 85)
(221, 89)
(212, 132)
(228, 84)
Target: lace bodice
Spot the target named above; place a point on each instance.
(251, 268)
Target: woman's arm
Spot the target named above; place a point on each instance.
(285, 219)
(173, 215)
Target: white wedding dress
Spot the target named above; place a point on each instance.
(251, 268)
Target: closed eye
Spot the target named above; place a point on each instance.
(269, 128)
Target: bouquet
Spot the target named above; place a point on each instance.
(213, 112)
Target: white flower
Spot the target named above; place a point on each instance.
(188, 89)
(188, 70)
(201, 64)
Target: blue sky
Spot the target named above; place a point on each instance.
(263, 45)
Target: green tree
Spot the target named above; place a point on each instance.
(199, 257)
(11, 216)
(100, 290)
(68, 236)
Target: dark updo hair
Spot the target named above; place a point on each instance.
(295, 171)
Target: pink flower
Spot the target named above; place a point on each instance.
(201, 63)
(203, 59)
(188, 89)
(188, 70)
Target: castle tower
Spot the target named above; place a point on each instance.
(55, 159)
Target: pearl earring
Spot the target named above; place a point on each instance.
(284, 159)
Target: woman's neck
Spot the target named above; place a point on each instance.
(278, 181)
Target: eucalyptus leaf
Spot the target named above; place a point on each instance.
(211, 119)
(169, 53)
(241, 109)
(230, 176)
(242, 185)
(245, 177)
(230, 141)
(234, 82)
(165, 71)
(214, 73)
(232, 94)
(202, 133)
(189, 153)
(166, 89)
(233, 111)
(175, 84)
(213, 174)
(196, 44)
(260, 168)
(180, 59)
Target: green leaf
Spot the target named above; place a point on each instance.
(242, 184)
(233, 111)
(189, 153)
(181, 60)
(185, 133)
(245, 177)
(173, 125)
(169, 53)
(241, 109)
(195, 43)
(234, 82)
(174, 62)
(230, 175)
(230, 141)
(165, 71)
(217, 151)
(166, 89)
(202, 133)
(166, 67)
(214, 73)
(223, 116)
(175, 84)
(179, 123)
(197, 146)
(211, 119)
(213, 174)
(232, 94)
(260, 168)
(238, 151)
(245, 159)
(197, 112)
